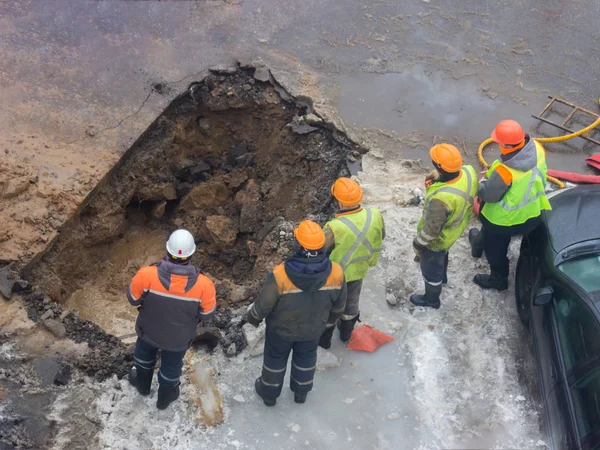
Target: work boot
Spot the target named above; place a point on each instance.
(141, 379)
(268, 401)
(492, 281)
(325, 340)
(166, 396)
(430, 299)
(476, 241)
(300, 397)
(346, 327)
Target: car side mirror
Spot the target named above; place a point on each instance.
(543, 296)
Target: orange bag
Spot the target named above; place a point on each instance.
(368, 339)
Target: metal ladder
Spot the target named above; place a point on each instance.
(563, 125)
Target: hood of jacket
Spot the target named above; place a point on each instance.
(308, 274)
(167, 268)
(524, 159)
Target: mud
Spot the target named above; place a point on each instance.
(229, 159)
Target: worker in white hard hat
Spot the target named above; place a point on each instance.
(172, 296)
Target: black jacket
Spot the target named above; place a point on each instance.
(301, 297)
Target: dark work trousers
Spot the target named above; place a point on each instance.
(304, 364)
(171, 363)
(434, 266)
(352, 299)
(496, 240)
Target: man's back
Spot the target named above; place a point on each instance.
(173, 298)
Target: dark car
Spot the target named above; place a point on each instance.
(558, 298)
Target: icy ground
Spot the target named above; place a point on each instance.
(452, 378)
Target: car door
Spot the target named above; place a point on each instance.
(544, 342)
(573, 406)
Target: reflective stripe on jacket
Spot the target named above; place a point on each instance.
(454, 199)
(358, 241)
(525, 195)
(297, 314)
(173, 298)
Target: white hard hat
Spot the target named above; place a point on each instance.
(181, 244)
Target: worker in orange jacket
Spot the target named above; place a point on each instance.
(172, 296)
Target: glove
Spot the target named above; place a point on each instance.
(431, 177)
(418, 248)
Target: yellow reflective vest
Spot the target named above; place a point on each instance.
(458, 197)
(358, 240)
(526, 196)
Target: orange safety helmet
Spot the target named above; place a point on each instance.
(509, 135)
(310, 235)
(446, 156)
(346, 191)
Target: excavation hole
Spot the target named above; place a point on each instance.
(235, 160)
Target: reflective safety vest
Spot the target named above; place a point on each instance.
(358, 240)
(458, 197)
(526, 196)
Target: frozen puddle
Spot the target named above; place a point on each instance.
(448, 380)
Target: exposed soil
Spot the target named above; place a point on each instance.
(228, 160)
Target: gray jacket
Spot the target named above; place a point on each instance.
(493, 188)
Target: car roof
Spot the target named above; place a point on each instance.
(575, 216)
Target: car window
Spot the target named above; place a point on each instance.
(586, 400)
(578, 331)
(585, 272)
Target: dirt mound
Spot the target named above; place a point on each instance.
(236, 160)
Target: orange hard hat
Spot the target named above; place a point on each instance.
(310, 235)
(508, 133)
(447, 157)
(346, 191)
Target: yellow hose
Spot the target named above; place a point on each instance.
(559, 183)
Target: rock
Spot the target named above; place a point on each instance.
(391, 299)
(231, 350)
(205, 195)
(7, 281)
(255, 338)
(159, 209)
(192, 172)
(64, 314)
(240, 156)
(47, 369)
(169, 192)
(262, 73)
(302, 128)
(32, 314)
(326, 359)
(47, 315)
(268, 227)
(239, 398)
(63, 377)
(251, 207)
(184, 188)
(37, 295)
(222, 229)
(207, 335)
(22, 286)
(223, 69)
(57, 328)
(14, 187)
(238, 294)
